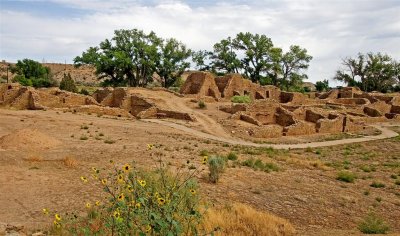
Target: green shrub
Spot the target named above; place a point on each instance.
(373, 224)
(216, 165)
(202, 104)
(232, 156)
(204, 153)
(138, 202)
(258, 164)
(346, 176)
(84, 92)
(241, 99)
(68, 84)
(377, 185)
(109, 141)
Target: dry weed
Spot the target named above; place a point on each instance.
(70, 162)
(34, 158)
(242, 220)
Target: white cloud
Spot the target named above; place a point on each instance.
(330, 30)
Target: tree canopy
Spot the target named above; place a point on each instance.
(32, 73)
(132, 57)
(370, 72)
(257, 59)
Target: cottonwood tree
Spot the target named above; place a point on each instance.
(292, 67)
(224, 58)
(370, 72)
(132, 57)
(200, 59)
(172, 61)
(257, 59)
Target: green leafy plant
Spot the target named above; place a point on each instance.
(346, 176)
(258, 164)
(232, 156)
(138, 202)
(373, 224)
(377, 185)
(216, 165)
(202, 104)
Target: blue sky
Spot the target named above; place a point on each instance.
(59, 30)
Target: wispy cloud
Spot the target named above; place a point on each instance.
(330, 30)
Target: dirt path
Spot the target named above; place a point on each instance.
(386, 133)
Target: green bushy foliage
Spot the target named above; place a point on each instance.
(373, 224)
(202, 104)
(258, 164)
(216, 165)
(346, 176)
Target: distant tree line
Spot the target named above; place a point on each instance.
(135, 58)
(132, 57)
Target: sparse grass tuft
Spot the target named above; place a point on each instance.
(346, 176)
(204, 153)
(239, 219)
(109, 141)
(241, 99)
(232, 156)
(377, 185)
(258, 164)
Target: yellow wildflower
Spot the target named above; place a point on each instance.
(192, 191)
(94, 169)
(161, 201)
(45, 211)
(142, 182)
(104, 181)
(57, 217)
(132, 203)
(117, 214)
(57, 224)
(126, 168)
(88, 205)
(121, 197)
(84, 179)
(205, 159)
(148, 228)
(150, 146)
(130, 188)
(120, 179)
(138, 205)
(97, 203)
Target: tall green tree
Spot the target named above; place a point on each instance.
(200, 59)
(257, 59)
(172, 61)
(322, 85)
(132, 57)
(258, 54)
(293, 65)
(370, 72)
(224, 58)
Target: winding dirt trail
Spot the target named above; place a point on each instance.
(386, 133)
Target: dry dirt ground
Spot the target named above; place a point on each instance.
(34, 173)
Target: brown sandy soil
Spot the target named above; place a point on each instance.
(304, 190)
